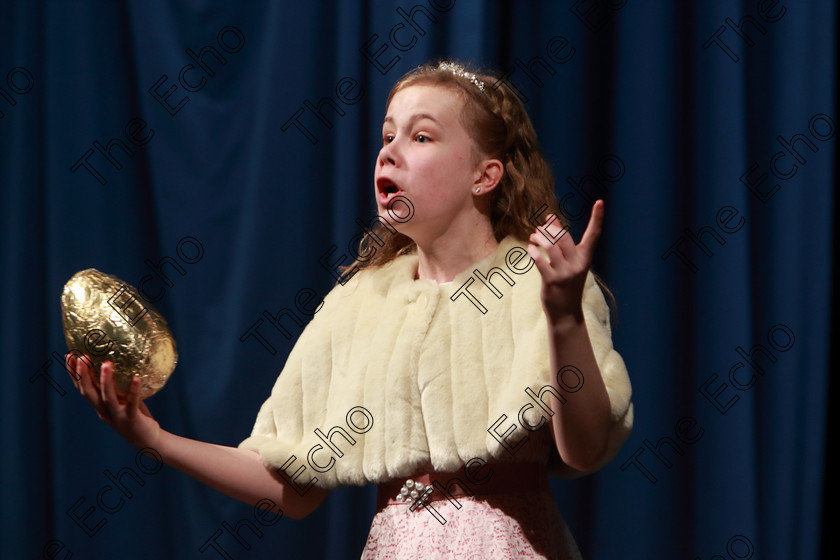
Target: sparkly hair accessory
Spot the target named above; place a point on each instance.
(459, 70)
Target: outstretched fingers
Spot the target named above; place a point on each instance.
(559, 245)
(593, 231)
(563, 265)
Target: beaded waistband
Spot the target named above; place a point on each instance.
(472, 480)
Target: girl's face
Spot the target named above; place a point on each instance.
(429, 157)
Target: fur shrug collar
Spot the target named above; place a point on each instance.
(397, 376)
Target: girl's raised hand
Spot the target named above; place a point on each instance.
(128, 415)
(564, 273)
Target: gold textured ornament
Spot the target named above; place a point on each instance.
(105, 319)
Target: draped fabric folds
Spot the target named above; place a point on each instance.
(219, 156)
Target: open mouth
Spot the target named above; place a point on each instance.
(387, 189)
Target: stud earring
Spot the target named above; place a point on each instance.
(478, 189)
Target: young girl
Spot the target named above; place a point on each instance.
(456, 363)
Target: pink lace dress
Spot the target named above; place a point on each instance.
(492, 527)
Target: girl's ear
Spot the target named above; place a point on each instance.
(488, 174)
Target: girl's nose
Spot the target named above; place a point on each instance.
(388, 155)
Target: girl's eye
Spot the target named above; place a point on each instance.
(387, 138)
(422, 138)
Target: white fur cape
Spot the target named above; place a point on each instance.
(433, 374)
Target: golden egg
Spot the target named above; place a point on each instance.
(107, 320)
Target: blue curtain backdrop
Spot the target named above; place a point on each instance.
(224, 147)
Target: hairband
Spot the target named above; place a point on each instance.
(460, 71)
